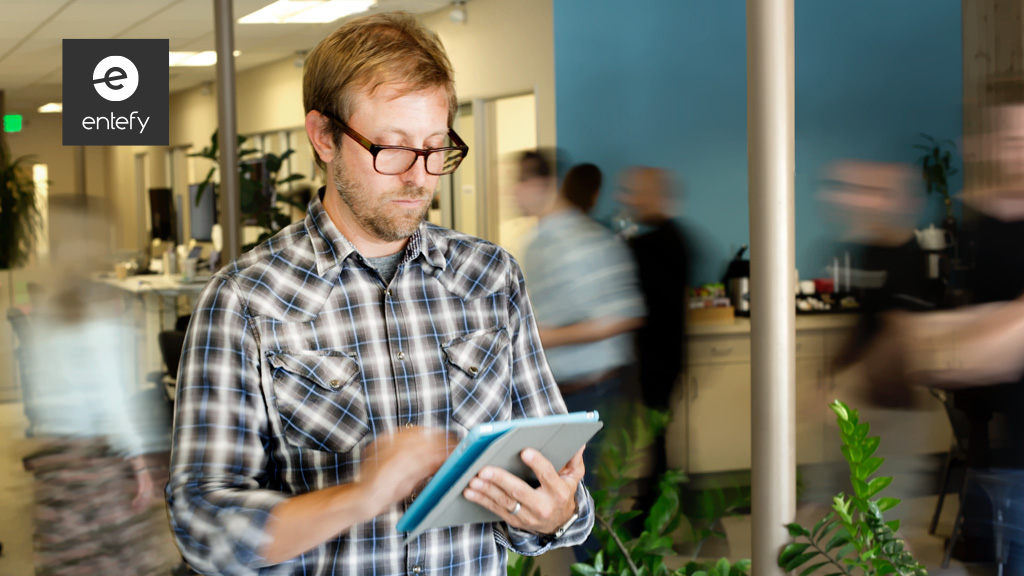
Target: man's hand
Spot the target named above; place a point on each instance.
(542, 510)
(393, 466)
(151, 475)
(390, 468)
(150, 484)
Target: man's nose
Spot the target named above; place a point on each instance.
(417, 175)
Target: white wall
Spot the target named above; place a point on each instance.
(505, 48)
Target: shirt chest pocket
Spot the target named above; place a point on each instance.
(479, 375)
(320, 399)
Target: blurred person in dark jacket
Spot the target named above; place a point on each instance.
(875, 204)
(664, 261)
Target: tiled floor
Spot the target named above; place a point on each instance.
(15, 494)
(16, 514)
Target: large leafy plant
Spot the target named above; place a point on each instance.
(853, 538)
(622, 552)
(258, 184)
(20, 220)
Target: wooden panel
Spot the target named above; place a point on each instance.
(810, 344)
(719, 418)
(810, 397)
(992, 46)
(719, 349)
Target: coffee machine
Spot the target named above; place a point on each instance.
(737, 283)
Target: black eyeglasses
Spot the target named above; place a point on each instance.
(394, 160)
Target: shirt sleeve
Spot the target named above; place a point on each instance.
(613, 287)
(218, 505)
(534, 393)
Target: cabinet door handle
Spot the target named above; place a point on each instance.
(721, 351)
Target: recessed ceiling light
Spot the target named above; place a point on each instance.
(51, 108)
(205, 58)
(306, 11)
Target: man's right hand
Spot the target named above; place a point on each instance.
(393, 466)
(390, 469)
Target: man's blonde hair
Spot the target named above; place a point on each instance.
(368, 52)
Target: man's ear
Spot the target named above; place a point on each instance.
(323, 143)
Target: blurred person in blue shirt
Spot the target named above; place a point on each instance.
(583, 285)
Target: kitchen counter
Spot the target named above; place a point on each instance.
(803, 322)
(711, 430)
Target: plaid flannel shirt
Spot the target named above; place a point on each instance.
(298, 355)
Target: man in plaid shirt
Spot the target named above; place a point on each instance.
(328, 372)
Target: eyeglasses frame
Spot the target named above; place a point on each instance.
(375, 149)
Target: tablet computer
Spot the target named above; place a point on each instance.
(441, 502)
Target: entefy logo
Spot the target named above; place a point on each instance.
(116, 93)
(115, 78)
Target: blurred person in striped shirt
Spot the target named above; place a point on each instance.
(583, 285)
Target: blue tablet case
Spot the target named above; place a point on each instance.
(441, 503)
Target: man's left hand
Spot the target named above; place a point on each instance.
(541, 510)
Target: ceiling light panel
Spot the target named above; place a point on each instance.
(306, 11)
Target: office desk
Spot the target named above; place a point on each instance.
(152, 298)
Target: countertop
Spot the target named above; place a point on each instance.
(739, 325)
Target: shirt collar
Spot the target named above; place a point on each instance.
(331, 248)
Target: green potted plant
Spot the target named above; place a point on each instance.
(258, 185)
(853, 538)
(936, 162)
(622, 552)
(20, 220)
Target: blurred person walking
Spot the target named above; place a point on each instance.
(326, 371)
(582, 282)
(987, 380)
(101, 454)
(875, 205)
(664, 261)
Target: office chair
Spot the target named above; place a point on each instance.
(957, 455)
(171, 343)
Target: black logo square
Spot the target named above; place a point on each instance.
(116, 92)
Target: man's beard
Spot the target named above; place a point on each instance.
(375, 213)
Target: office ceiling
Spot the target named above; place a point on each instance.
(32, 31)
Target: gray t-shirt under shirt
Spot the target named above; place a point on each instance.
(386, 266)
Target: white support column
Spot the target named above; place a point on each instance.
(770, 150)
(230, 202)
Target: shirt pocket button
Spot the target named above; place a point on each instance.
(335, 384)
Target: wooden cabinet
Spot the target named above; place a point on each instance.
(711, 429)
(810, 379)
(718, 397)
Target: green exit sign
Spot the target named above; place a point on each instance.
(12, 123)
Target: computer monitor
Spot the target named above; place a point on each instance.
(204, 215)
(161, 214)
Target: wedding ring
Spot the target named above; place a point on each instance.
(516, 510)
